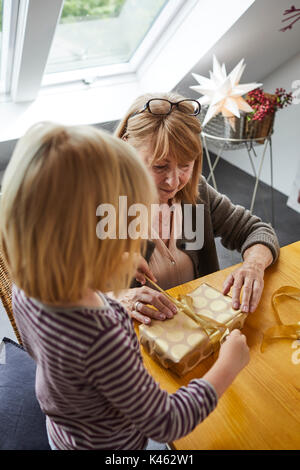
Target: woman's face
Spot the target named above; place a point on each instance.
(169, 176)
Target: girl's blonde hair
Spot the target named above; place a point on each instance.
(176, 134)
(54, 182)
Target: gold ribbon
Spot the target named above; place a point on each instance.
(208, 324)
(281, 331)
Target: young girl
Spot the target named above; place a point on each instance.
(90, 379)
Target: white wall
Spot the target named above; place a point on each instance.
(286, 137)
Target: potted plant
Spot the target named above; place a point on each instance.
(260, 122)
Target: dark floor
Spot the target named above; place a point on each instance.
(238, 186)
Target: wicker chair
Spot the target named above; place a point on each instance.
(5, 294)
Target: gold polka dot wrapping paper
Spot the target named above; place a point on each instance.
(181, 343)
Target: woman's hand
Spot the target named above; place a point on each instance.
(142, 270)
(250, 277)
(138, 302)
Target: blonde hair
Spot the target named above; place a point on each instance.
(54, 182)
(175, 134)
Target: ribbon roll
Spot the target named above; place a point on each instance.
(281, 331)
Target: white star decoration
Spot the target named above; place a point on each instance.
(223, 93)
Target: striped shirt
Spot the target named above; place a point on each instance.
(91, 382)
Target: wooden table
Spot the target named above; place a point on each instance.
(261, 409)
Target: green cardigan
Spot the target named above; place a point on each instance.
(235, 225)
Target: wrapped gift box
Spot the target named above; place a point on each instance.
(181, 343)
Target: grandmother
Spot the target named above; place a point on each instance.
(165, 130)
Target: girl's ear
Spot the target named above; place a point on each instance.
(124, 137)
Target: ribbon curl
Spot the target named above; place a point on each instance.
(281, 331)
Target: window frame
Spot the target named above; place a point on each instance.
(33, 41)
(10, 10)
(188, 39)
(161, 24)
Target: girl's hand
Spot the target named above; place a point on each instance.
(234, 352)
(233, 357)
(139, 300)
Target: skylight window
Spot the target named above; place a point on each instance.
(96, 33)
(175, 35)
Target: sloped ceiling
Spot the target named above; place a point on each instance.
(256, 38)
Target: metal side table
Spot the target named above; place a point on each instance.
(225, 143)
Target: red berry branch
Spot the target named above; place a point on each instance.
(295, 10)
(265, 104)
